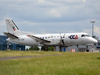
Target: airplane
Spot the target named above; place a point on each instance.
(59, 39)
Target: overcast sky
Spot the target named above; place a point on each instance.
(51, 16)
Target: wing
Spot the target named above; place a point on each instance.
(37, 39)
(11, 35)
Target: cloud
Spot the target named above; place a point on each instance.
(97, 30)
(2, 27)
(84, 1)
(49, 10)
(41, 1)
(51, 16)
(54, 13)
(89, 31)
(68, 2)
(2, 23)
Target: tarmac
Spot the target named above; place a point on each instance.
(18, 57)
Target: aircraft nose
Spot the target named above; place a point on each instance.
(94, 40)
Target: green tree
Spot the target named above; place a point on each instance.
(31, 48)
(43, 48)
(51, 48)
(27, 49)
(36, 48)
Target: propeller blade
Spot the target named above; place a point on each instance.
(62, 40)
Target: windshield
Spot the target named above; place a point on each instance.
(85, 35)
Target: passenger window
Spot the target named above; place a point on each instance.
(45, 37)
(51, 36)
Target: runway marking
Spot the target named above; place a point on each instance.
(16, 57)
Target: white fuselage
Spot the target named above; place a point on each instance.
(55, 39)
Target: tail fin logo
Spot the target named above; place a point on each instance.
(13, 28)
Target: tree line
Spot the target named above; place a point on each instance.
(42, 49)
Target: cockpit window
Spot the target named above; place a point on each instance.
(85, 35)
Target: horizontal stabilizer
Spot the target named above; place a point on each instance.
(11, 35)
(38, 39)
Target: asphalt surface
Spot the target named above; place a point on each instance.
(18, 57)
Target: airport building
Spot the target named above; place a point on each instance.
(98, 45)
(4, 45)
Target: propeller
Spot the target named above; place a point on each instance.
(62, 39)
